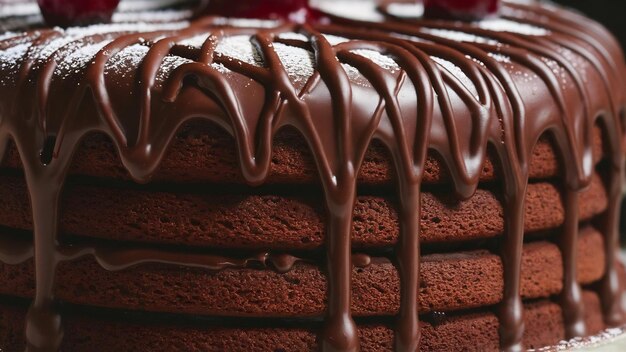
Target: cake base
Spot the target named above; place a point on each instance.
(90, 330)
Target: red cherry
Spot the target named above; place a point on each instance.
(65, 13)
(466, 10)
(290, 10)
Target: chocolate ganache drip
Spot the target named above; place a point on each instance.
(415, 85)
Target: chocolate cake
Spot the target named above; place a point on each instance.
(363, 177)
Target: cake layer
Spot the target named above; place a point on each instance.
(266, 222)
(448, 282)
(467, 332)
(202, 152)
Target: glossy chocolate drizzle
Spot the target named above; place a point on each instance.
(421, 106)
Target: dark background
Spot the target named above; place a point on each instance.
(611, 13)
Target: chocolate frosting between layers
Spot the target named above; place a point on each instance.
(413, 84)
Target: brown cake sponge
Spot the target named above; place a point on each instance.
(271, 222)
(202, 152)
(461, 332)
(449, 282)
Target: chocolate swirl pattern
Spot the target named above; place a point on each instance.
(413, 84)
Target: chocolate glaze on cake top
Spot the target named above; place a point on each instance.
(414, 84)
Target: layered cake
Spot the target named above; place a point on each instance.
(362, 176)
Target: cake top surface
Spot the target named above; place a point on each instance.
(538, 53)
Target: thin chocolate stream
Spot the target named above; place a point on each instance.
(121, 259)
(407, 338)
(17, 251)
(511, 323)
(338, 125)
(571, 295)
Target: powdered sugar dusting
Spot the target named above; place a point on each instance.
(356, 77)
(125, 63)
(153, 16)
(239, 47)
(76, 36)
(458, 36)
(195, 42)
(76, 62)
(293, 36)
(245, 22)
(10, 60)
(299, 63)
(500, 57)
(502, 25)
(379, 59)
(458, 73)
(581, 65)
(558, 71)
(123, 27)
(170, 63)
(43, 52)
(127, 60)
(335, 40)
(221, 68)
(613, 339)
